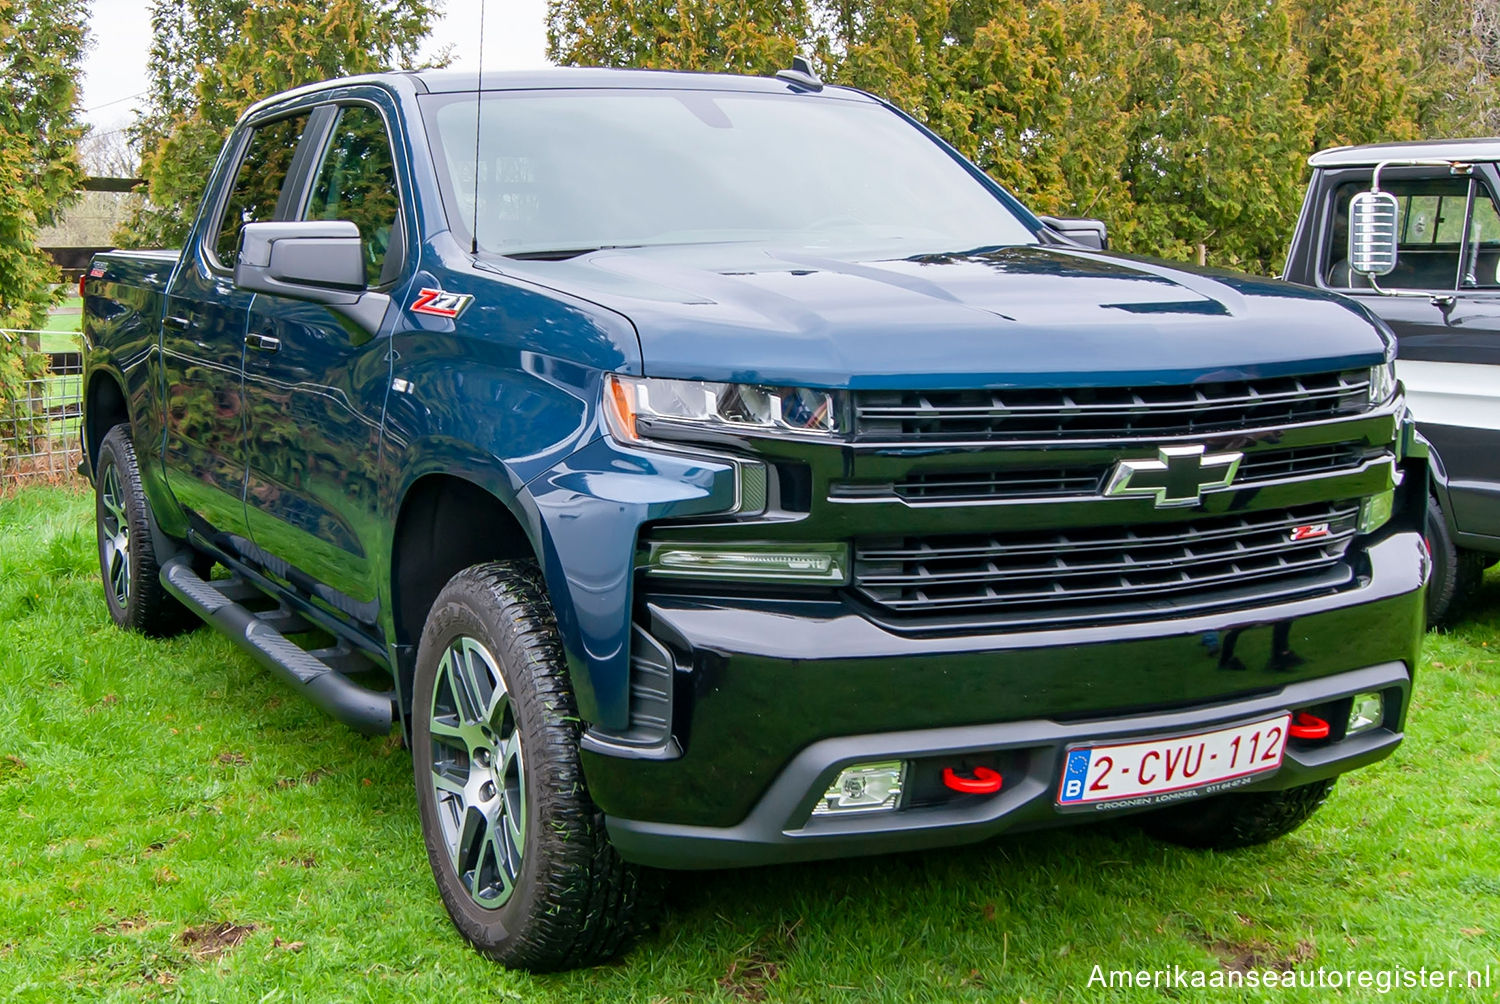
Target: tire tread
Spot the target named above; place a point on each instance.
(151, 610)
(1235, 820)
(589, 905)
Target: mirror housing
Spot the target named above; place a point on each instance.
(1373, 217)
(318, 260)
(1088, 233)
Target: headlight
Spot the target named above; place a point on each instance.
(631, 403)
(1382, 382)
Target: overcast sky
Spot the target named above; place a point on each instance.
(114, 74)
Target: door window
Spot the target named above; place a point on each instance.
(1433, 253)
(258, 183)
(1482, 255)
(357, 182)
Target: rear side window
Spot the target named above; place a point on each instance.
(1434, 253)
(258, 183)
(357, 182)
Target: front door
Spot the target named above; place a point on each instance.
(1447, 324)
(315, 385)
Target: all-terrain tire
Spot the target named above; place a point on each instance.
(1456, 571)
(128, 562)
(1224, 822)
(572, 901)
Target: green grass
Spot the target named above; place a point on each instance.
(148, 788)
(63, 326)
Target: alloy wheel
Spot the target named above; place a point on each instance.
(114, 535)
(478, 772)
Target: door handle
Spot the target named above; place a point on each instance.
(174, 322)
(263, 343)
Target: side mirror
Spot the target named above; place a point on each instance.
(318, 260)
(1372, 233)
(1088, 233)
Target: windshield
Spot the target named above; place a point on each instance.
(570, 170)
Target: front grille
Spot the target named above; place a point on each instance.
(1107, 412)
(1308, 461)
(1088, 480)
(982, 485)
(1108, 571)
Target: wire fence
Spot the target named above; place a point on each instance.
(39, 439)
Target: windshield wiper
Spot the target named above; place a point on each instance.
(563, 254)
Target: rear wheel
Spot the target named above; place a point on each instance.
(1456, 571)
(1224, 822)
(128, 561)
(517, 847)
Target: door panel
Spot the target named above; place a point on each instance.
(315, 402)
(203, 342)
(203, 338)
(313, 412)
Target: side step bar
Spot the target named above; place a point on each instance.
(313, 674)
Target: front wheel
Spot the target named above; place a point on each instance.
(517, 847)
(1456, 571)
(1224, 822)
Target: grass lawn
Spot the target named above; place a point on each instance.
(174, 824)
(63, 326)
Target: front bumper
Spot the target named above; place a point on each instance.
(772, 699)
(779, 828)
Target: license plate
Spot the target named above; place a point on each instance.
(1160, 770)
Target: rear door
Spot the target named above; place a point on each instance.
(203, 334)
(316, 381)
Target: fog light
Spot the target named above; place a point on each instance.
(804, 563)
(1375, 511)
(865, 787)
(1368, 712)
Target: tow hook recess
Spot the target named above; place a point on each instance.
(984, 782)
(1306, 726)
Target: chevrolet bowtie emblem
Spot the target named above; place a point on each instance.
(1177, 477)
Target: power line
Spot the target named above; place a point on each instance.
(116, 101)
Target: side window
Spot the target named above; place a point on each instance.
(357, 182)
(1430, 228)
(1482, 255)
(258, 183)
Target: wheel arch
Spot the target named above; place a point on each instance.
(105, 406)
(425, 553)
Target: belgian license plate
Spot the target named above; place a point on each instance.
(1155, 771)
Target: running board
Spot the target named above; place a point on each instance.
(317, 675)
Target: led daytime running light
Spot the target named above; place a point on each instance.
(801, 411)
(1382, 382)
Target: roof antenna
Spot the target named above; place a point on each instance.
(478, 107)
(801, 74)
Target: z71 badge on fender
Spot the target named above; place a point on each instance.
(440, 304)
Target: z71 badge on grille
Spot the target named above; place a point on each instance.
(440, 304)
(1177, 477)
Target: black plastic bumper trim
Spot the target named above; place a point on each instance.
(779, 829)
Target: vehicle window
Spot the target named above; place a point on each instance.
(357, 182)
(1482, 256)
(1430, 227)
(258, 183)
(560, 170)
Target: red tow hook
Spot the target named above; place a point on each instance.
(984, 781)
(1305, 726)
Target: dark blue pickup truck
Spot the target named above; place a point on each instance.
(710, 471)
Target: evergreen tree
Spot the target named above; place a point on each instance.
(41, 53)
(212, 59)
(1185, 124)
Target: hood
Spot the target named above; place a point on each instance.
(1015, 316)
